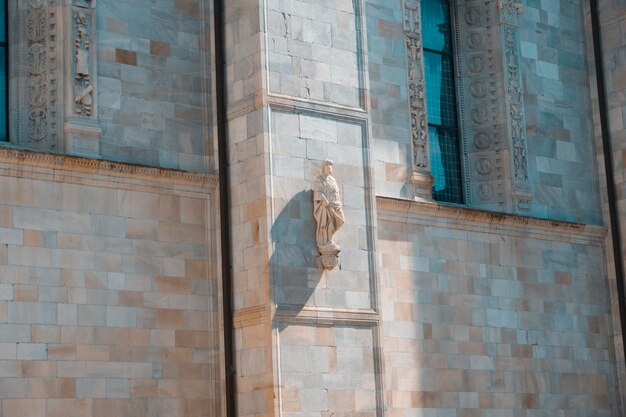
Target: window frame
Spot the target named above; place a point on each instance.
(462, 156)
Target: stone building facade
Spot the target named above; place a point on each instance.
(158, 251)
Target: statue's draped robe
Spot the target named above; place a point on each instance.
(329, 216)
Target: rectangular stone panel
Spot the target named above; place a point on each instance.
(327, 370)
(313, 50)
(300, 142)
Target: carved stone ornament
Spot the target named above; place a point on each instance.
(509, 15)
(417, 85)
(517, 122)
(485, 192)
(483, 166)
(414, 51)
(83, 87)
(82, 127)
(37, 24)
(328, 213)
(482, 140)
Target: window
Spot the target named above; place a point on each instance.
(441, 101)
(4, 71)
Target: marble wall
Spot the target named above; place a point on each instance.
(487, 315)
(154, 77)
(108, 299)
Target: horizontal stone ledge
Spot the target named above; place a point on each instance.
(292, 104)
(57, 165)
(326, 315)
(487, 220)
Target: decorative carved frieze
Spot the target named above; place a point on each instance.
(421, 177)
(52, 101)
(516, 121)
(39, 33)
(481, 102)
(35, 77)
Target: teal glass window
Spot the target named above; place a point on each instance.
(441, 101)
(4, 72)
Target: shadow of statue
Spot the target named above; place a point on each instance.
(294, 266)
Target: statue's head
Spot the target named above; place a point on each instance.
(327, 167)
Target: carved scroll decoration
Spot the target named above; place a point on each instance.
(509, 12)
(37, 62)
(417, 87)
(34, 75)
(414, 52)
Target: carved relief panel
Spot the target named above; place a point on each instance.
(414, 52)
(36, 121)
(53, 76)
(82, 59)
(482, 101)
(516, 120)
(81, 127)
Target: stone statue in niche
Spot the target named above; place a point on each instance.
(328, 213)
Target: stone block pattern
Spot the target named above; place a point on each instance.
(313, 50)
(389, 102)
(613, 25)
(153, 83)
(482, 322)
(558, 111)
(300, 142)
(104, 301)
(327, 370)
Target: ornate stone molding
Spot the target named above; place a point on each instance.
(34, 75)
(516, 120)
(490, 221)
(421, 176)
(482, 103)
(72, 165)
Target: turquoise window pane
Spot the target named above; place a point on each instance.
(445, 165)
(441, 101)
(440, 90)
(3, 95)
(436, 31)
(3, 29)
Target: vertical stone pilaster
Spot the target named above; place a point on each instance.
(482, 105)
(421, 177)
(35, 75)
(516, 121)
(82, 130)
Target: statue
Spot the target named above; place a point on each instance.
(328, 213)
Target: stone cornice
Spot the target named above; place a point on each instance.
(59, 164)
(488, 219)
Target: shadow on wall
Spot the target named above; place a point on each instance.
(294, 266)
